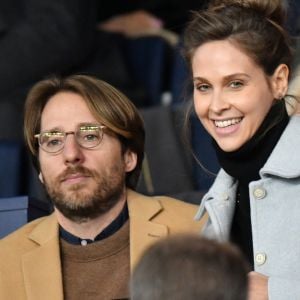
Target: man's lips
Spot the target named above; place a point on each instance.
(72, 178)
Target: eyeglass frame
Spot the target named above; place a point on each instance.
(66, 133)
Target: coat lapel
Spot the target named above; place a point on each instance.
(42, 266)
(143, 231)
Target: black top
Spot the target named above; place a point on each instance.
(244, 165)
(106, 232)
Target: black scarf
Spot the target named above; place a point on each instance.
(244, 165)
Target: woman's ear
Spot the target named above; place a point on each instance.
(130, 160)
(279, 81)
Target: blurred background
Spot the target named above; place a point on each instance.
(135, 46)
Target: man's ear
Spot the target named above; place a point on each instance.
(279, 81)
(130, 160)
(41, 178)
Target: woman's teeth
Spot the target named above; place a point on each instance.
(227, 123)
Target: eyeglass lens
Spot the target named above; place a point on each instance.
(86, 136)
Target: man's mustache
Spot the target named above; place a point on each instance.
(76, 170)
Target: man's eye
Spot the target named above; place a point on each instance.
(91, 137)
(53, 142)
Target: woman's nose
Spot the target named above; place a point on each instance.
(218, 102)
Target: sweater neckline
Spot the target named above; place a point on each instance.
(96, 251)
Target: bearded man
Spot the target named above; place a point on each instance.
(87, 141)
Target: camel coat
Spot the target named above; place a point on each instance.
(30, 266)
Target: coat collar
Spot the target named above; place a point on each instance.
(143, 231)
(284, 160)
(222, 191)
(219, 203)
(42, 266)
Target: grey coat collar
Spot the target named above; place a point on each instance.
(284, 159)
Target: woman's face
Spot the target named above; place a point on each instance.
(232, 94)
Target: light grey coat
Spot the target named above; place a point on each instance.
(275, 214)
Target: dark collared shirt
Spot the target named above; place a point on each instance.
(113, 227)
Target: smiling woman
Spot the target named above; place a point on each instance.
(239, 56)
(223, 88)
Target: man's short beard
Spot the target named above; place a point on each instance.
(80, 206)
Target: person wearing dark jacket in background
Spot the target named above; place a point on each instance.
(38, 38)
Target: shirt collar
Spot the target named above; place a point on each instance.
(113, 227)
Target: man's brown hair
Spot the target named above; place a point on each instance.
(108, 105)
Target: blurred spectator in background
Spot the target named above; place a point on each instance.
(190, 267)
(293, 22)
(38, 38)
(137, 17)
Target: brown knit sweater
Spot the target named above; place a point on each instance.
(99, 270)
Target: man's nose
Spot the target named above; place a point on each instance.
(72, 152)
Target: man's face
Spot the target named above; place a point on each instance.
(82, 183)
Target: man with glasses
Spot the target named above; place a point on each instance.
(87, 142)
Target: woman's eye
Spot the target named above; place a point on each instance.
(202, 87)
(235, 84)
